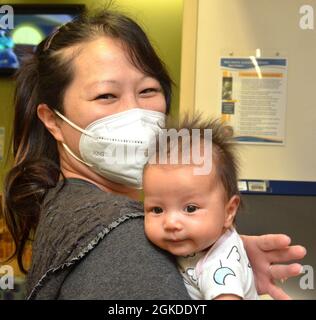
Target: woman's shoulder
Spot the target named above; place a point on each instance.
(125, 265)
(78, 212)
(75, 217)
(76, 201)
(122, 265)
(74, 194)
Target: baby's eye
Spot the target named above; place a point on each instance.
(190, 208)
(157, 210)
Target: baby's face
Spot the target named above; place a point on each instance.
(185, 213)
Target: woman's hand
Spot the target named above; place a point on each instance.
(265, 253)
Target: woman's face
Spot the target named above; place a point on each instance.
(105, 82)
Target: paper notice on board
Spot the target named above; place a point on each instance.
(1, 142)
(253, 99)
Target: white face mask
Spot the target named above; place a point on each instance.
(116, 146)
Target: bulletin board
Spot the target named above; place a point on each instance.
(233, 28)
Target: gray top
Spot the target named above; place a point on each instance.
(91, 245)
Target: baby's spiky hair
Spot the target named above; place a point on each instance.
(223, 153)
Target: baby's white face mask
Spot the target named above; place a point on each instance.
(116, 146)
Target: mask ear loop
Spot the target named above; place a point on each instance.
(79, 129)
(77, 158)
(87, 133)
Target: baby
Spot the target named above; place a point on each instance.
(192, 215)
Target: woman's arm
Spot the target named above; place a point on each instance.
(124, 265)
(265, 253)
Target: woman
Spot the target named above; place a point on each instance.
(94, 85)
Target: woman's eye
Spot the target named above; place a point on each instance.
(106, 96)
(149, 91)
(190, 208)
(157, 210)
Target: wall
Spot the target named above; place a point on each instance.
(188, 56)
(294, 216)
(6, 118)
(214, 27)
(241, 26)
(162, 20)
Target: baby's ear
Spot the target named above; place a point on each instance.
(231, 210)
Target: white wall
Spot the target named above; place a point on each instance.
(241, 26)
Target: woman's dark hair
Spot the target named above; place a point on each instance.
(44, 78)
